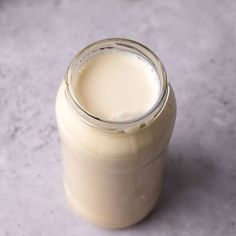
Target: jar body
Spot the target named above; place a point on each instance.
(113, 179)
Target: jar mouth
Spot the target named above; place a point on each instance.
(130, 46)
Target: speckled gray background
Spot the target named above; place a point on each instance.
(196, 40)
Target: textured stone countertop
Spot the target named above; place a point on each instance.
(196, 41)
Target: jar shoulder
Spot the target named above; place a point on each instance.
(77, 135)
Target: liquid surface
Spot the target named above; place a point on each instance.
(116, 85)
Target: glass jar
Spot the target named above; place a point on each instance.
(113, 170)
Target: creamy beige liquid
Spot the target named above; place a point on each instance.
(114, 179)
(117, 85)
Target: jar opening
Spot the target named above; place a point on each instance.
(108, 77)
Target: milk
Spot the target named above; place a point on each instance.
(117, 85)
(112, 177)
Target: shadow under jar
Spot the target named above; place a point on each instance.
(114, 162)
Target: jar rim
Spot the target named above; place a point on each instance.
(124, 44)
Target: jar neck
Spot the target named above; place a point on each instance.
(126, 45)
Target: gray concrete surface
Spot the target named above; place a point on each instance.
(196, 40)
